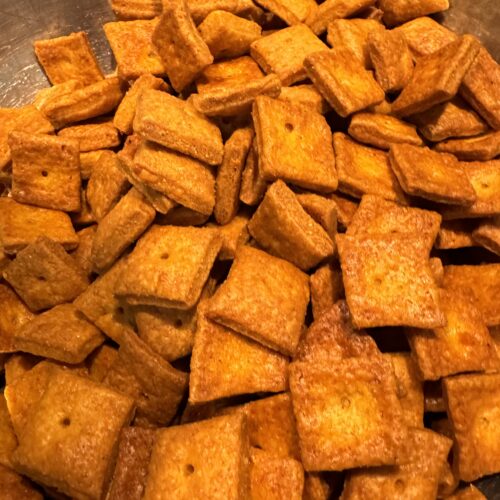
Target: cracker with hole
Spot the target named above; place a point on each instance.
(274, 477)
(290, 11)
(364, 170)
(480, 87)
(427, 174)
(225, 364)
(455, 234)
(377, 268)
(177, 125)
(282, 227)
(264, 298)
(45, 171)
(44, 275)
(284, 51)
(322, 209)
(182, 179)
(348, 417)
(68, 58)
(72, 413)
(480, 148)
(483, 281)
(462, 345)
(88, 102)
(182, 460)
(123, 225)
(234, 235)
(180, 45)
(473, 405)
(152, 272)
(326, 288)
(437, 77)
(136, 9)
(61, 333)
(399, 11)
(424, 455)
(279, 127)
(305, 94)
(93, 136)
(391, 59)
(487, 234)
(381, 130)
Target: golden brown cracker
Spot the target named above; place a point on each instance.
(243, 8)
(455, 234)
(88, 161)
(487, 235)
(183, 216)
(480, 148)
(437, 270)
(290, 11)
(93, 136)
(258, 284)
(44, 95)
(18, 365)
(16, 487)
(322, 209)
(8, 441)
(253, 185)
(68, 58)
(346, 208)
(306, 95)
(399, 11)
(469, 492)
(234, 235)
(282, 227)
(326, 288)
(136, 9)
(100, 362)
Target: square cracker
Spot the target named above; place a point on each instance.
(437, 77)
(424, 455)
(275, 477)
(284, 51)
(151, 276)
(462, 345)
(488, 235)
(307, 95)
(364, 170)
(279, 127)
(68, 58)
(264, 298)
(182, 179)
(484, 283)
(431, 175)
(326, 288)
(225, 364)
(290, 11)
(482, 147)
(480, 87)
(399, 11)
(388, 281)
(44, 275)
(183, 461)
(62, 333)
(74, 413)
(180, 45)
(348, 417)
(132, 46)
(45, 171)
(382, 131)
(485, 179)
(177, 125)
(123, 225)
(136, 9)
(101, 134)
(472, 405)
(343, 81)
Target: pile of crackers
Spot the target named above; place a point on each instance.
(261, 260)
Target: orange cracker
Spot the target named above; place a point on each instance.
(85, 103)
(290, 11)
(151, 274)
(391, 59)
(136, 9)
(62, 333)
(436, 77)
(472, 405)
(88, 161)
(253, 185)
(123, 225)
(326, 288)
(93, 136)
(469, 492)
(46, 94)
(484, 283)
(485, 179)
(8, 441)
(243, 8)
(234, 235)
(346, 208)
(44, 275)
(17, 365)
(321, 209)
(279, 127)
(258, 284)
(427, 174)
(306, 95)
(283, 228)
(181, 47)
(480, 87)
(176, 124)
(17, 487)
(347, 417)
(363, 170)
(225, 364)
(183, 216)
(437, 270)
(399, 11)
(182, 460)
(284, 51)
(488, 235)
(100, 362)
(228, 182)
(45, 171)
(68, 58)
(85, 216)
(275, 478)
(73, 413)
(107, 184)
(481, 148)
(227, 35)
(377, 268)
(450, 119)
(455, 234)
(424, 455)
(182, 179)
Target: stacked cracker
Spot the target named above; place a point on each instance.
(161, 243)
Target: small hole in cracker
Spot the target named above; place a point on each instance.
(400, 484)
(178, 323)
(189, 469)
(44, 173)
(289, 127)
(42, 278)
(65, 422)
(345, 402)
(165, 256)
